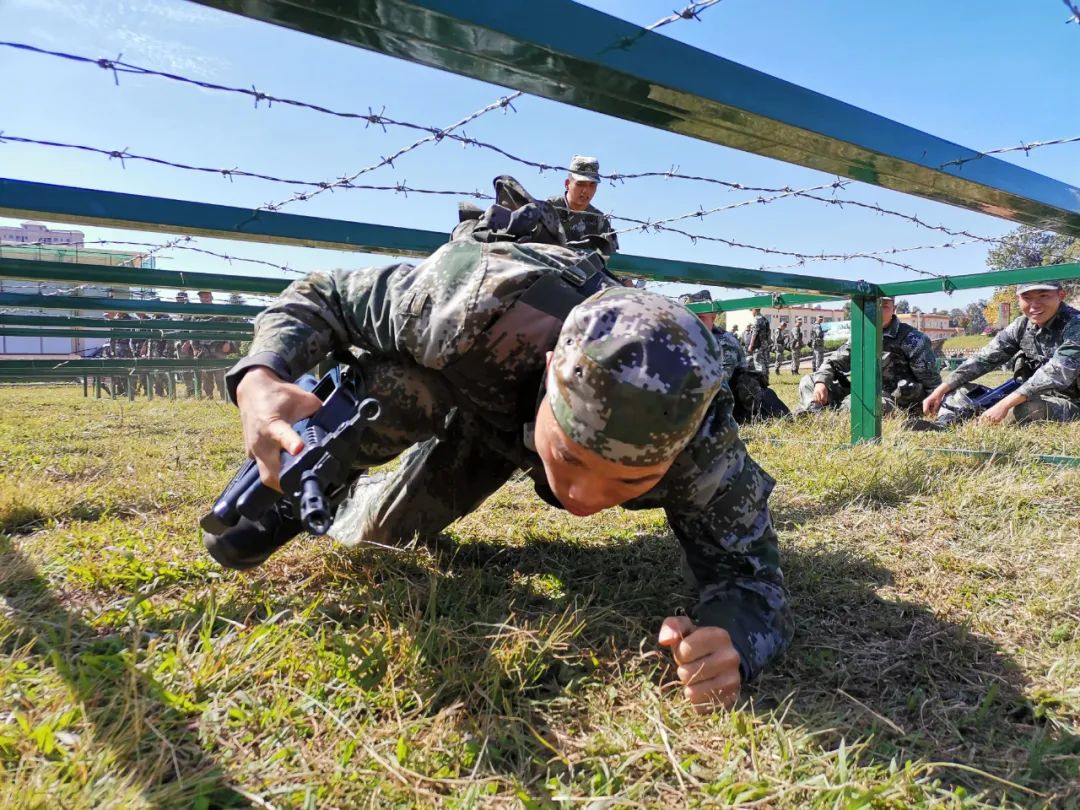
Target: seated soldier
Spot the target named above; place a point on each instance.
(908, 370)
(1045, 343)
(753, 398)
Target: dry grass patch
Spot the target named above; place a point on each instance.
(513, 663)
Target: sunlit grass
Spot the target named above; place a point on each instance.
(513, 663)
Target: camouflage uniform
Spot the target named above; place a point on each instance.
(758, 347)
(909, 372)
(780, 343)
(590, 228)
(817, 346)
(120, 348)
(753, 398)
(455, 348)
(1053, 391)
(796, 347)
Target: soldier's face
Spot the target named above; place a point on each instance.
(584, 482)
(708, 318)
(888, 309)
(579, 193)
(1040, 306)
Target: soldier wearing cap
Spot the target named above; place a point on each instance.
(817, 344)
(759, 344)
(585, 225)
(780, 343)
(1045, 339)
(492, 357)
(796, 345)
(908, 370)
(210, 350)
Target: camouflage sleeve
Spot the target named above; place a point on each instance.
(431, 313)
(923, 361)
(722, 522)
(613, 238)
(835, 366)
(731, 353)
(1061, 370)
(1000, 350)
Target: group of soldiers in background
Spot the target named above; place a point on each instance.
(757, 340)
(165, 347)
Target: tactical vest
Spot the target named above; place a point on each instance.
(535, 318)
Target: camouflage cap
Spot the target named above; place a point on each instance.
(632, 375)
(699, 297)
(1038, 285)
(585, 168)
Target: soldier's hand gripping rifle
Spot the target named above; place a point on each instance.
(974, 399)
(310, 480)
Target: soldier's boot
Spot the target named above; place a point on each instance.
(249, 543)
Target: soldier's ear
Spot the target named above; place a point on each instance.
(547, 360)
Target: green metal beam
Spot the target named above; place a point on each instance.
(997, 278)
(779, 300)
(41, 321)
(20, 198)
(139, 334)
(865, 370)
(78, 273)
(123, 305)
(724, 276)
(576, 55)
(109, 365)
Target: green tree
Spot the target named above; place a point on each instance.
(1030, 247)
(903, 307)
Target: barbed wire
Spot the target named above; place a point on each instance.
(690, 12)
(503, 103)
(124, 155)
(180, 243)
(1074, 12)
(701, 212)
(1023, 147)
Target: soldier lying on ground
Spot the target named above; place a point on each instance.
(754, 399)
(495, 356)
(908, 370)
(1046, 338)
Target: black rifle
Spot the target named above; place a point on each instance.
(313, 477)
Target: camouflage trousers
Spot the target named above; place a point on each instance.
(450, 459)
(796, 356)
(760, 360)
(840, 397)
(780, 350)
(817, 358)
(1040, 409)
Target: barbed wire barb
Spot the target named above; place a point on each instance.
(690, 12)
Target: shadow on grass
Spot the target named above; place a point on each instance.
(863, 667)
(152, 740)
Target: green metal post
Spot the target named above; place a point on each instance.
(865, 370)
(148, 381)
(198, 384)
(131, 380)
(85, 386)
(97, 386)
(172, 386)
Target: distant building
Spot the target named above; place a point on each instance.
(61, 252)
(932, 324)
(33, 233)
(737, 321)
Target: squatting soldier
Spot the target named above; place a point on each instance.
(817, 343)
(1045, 339)
(753, 398)
(780, 343)
(908, 370)
(586, 226)
(796, 345)
(758, 347)
(492, 357)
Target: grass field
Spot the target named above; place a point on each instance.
(514, 664)
(966, 342)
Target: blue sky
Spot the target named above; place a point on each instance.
(984, 75)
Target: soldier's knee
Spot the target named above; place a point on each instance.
(1034, 410)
